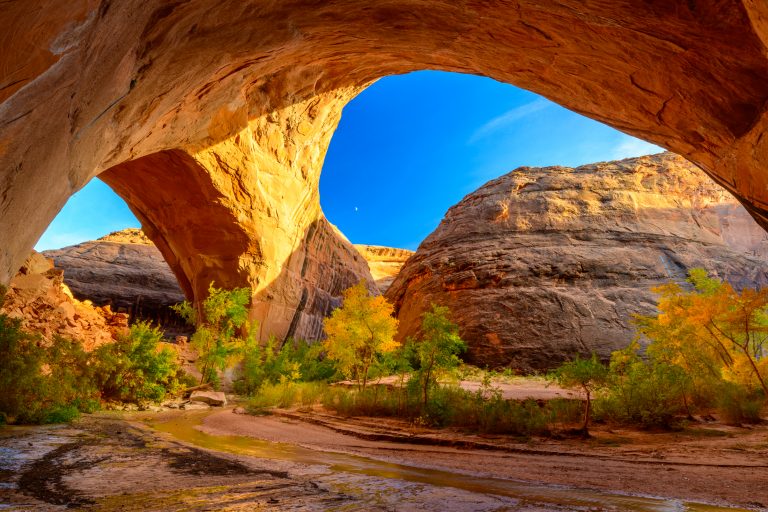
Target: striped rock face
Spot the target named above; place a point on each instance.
(212, 118)
(545, 263)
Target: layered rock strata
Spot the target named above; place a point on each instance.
(125, 271)
(38, 296)
(213, 127)
(384, 263)
(545, 263)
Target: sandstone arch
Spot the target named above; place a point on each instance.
(239, 86)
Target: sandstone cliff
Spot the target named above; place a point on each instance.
(212, 119)
(544, 263)
(384, 263)
(124, 270)
(38, 296)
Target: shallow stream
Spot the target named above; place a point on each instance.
(388, 479)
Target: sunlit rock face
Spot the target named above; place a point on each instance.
(384, 263)
(124, 270)
(38, 297)
(214, 127)
(246, 212)
(545, 263)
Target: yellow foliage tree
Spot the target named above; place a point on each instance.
(359, 331)
(712, 330)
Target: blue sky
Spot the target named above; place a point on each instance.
(407, 149)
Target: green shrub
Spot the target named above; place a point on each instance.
(216, 338)
(61, 413)
(22, 384)
(134, 368)
(649, 394)
(286, 394)
(736, 405)
(43, 384)
(295, 360)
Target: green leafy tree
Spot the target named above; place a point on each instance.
(645, 391)
(586, 375)
(134, 368)
(222, 316)
(43, 382)
(360, 331)
(438, 348)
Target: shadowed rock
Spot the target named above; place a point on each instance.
(214, 127)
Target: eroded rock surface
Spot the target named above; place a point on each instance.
(384, 263)
(544, 263)
(214, 127)
(124, 270)
(38, 296)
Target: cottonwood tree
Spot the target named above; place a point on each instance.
(712, 329)
(587, 375)
(360, 331)
(220, 320)
(438, 348)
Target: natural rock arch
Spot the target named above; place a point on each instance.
(229, 89)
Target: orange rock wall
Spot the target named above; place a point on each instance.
(230, 105)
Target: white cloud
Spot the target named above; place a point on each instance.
(507, 118)
(629, 147)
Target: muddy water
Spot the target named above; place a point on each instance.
(526, 496)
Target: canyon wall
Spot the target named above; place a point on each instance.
(123, 270)
(384, 263)
(545, 263)
(126, 271)
(212, 118)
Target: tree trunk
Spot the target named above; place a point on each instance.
(587, 410)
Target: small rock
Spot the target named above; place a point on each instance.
(195, 406)
(216, 398)
(239, 410)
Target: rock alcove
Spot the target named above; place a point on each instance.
(214, 127)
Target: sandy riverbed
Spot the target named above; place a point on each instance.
(708, 462)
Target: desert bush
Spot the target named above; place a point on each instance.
(643, 392)
(296, 360)
(222, 317)
(736, 404)
(22, 384)
(39, 383)
(134, 368)
(286, 394)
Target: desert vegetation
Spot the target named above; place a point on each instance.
(54, 382)
(702, 353)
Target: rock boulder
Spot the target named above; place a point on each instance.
(545, 263)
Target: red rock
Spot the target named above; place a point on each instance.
(574, 255)
(214, 128)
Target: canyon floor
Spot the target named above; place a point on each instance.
(293, 460)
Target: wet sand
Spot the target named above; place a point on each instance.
(709, 462)
(216, 460)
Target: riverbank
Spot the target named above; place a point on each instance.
(707, 462)
(219, 460)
